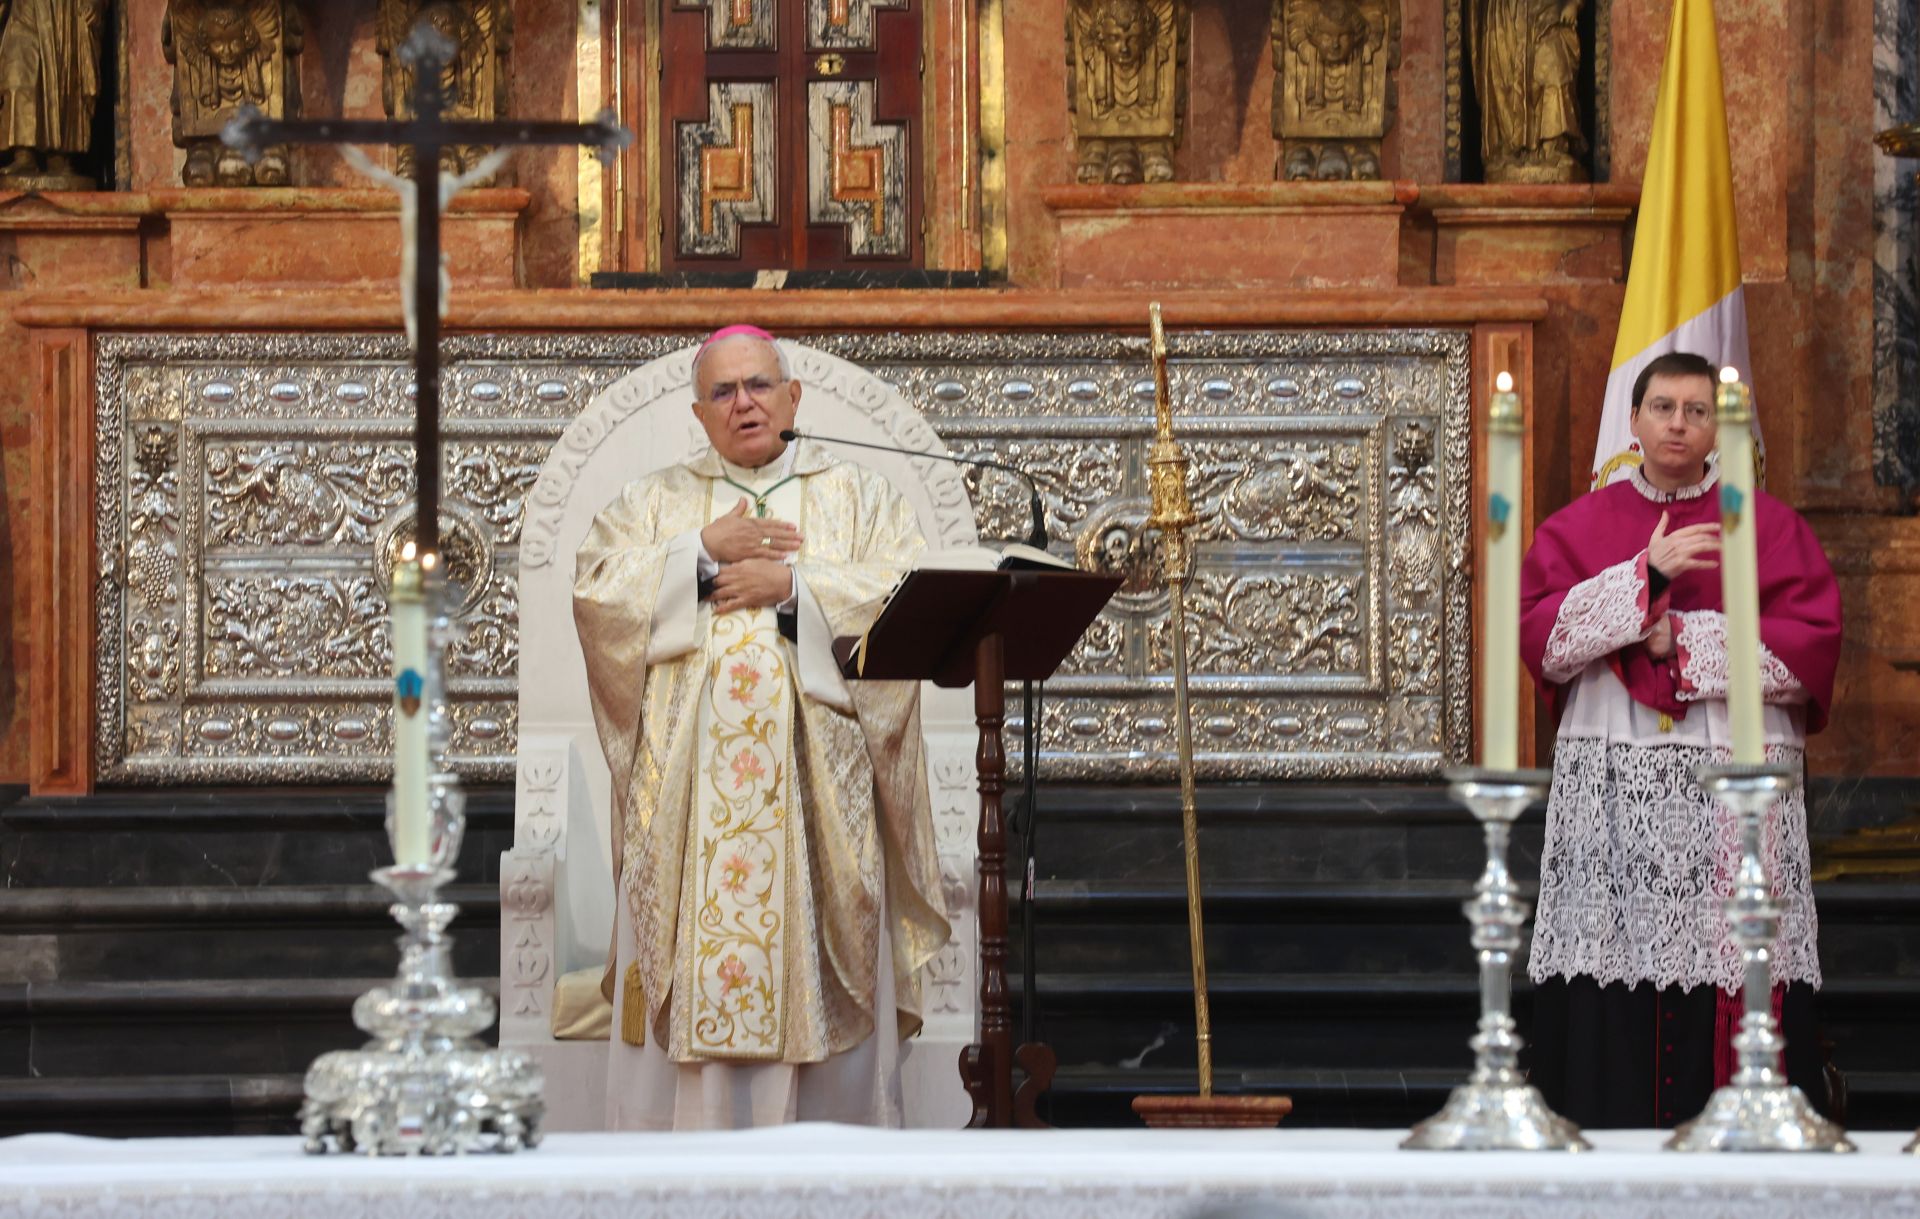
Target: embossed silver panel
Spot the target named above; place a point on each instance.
(249, 487)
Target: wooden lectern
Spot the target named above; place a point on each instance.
(987, 628)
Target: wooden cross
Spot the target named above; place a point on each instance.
(427, 51)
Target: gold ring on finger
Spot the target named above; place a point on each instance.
(765, 542)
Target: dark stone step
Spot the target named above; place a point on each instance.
(1377, 1098)
(141, 1105)
(194, 1027)
(149, 934)
(233, 837)
(1346, 1021)
(1254, 833)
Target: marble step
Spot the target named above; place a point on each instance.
(1347, 1021)
(1264, 833)
(149, 1105)
(236, 837)
(1868, 928)
(1082, 1096)
(177, 1027)
(1382, 1098)
(153, 934)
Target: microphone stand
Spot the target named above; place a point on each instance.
(1031, 698)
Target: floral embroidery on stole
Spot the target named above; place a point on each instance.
(747, 837)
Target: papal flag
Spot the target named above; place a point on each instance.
(1683, 290)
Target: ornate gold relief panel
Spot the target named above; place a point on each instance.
(476, 84)
(1127, 75)
(1332, 94)
(227, 54)
(252, 490)
(727, 168)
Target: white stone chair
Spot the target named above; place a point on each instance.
(556, 884)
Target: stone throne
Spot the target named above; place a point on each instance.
(556, 884)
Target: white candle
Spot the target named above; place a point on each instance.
(1500, 657)
(1739, 567)
(407, 601)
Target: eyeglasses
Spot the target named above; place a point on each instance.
(725, 393)
(1698, 414)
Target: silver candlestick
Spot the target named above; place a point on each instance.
(1496, 1109)
(1758, 1110)
(423, 1085)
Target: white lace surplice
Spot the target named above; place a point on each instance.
(1638, 858)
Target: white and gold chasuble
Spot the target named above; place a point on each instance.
(762, 806)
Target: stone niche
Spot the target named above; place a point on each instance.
(250, 488)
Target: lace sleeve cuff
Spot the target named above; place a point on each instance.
(1700, 654)
(1600, 616)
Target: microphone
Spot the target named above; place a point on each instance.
(1036, 537)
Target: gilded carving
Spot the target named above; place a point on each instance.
(227, 54)
(1333, 66)
(1526, 73)
(476, 83)
(1452, 113)
(1127, 84)
(49, 85)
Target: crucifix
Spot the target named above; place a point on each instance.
(427, 52)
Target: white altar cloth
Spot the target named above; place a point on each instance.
(797, 1172)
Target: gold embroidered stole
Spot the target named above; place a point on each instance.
(746, 858)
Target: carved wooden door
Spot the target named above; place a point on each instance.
(792, 134)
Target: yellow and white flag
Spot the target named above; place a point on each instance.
(1683, 290)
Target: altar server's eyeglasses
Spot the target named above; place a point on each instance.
(1698, 414)
(726, 392)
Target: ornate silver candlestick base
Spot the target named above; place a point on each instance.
(1496, 1109)
(423, 1086)
(1758, 1110)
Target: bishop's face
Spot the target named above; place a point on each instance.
(744, 401)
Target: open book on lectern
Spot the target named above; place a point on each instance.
(1013, 556)
(941, 611)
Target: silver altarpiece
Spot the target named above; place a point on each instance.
(254, 489)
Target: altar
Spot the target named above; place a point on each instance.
(820, 1170)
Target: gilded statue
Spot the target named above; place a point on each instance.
(1333, 85)
(227, 54)
(475, 83)
(1526, 68)
(49, 82)
(1127, 67)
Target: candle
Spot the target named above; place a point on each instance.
(1500, 674)
(1739, 567)
(407, 601)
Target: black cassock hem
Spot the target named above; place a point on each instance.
(1625, 1057)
